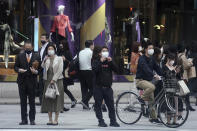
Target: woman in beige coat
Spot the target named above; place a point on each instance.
(53, 68)
(186, 65)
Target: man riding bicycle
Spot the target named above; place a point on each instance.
(145, 74)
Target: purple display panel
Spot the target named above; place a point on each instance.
(100, 39)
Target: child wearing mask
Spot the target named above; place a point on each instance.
(103, 66)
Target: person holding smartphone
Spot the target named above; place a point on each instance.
(103, 67)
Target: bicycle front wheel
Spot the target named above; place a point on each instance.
(173, 111)
(128, 108)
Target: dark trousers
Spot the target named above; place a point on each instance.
(27, 89)
(86, 81)
(70, 95)
(106, 93)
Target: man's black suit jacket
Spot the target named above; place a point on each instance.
(44, 53)
(21, 63)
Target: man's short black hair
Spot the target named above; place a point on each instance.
(46, 35)
(88, 43)
(147, 44)
(28, 41)
(171, 56)
(105, 47)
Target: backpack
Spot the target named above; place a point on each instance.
(73, 68)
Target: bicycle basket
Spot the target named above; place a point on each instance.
(170, 85)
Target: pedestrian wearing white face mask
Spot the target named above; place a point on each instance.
(103, 67)
(144, 76)
(53, 68)
(171, 75)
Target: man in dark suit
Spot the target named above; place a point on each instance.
(27, 65)
(42, 53)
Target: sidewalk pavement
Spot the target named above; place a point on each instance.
(77, 119)
(9, 92)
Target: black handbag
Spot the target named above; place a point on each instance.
(73, 68)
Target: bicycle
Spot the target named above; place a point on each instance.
(169, 104)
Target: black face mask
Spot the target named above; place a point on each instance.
(43, 42)
(28, 51)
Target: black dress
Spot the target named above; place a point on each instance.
(170, 78)
(170, 81)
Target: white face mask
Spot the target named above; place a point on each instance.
(151, 51)
(105, 54)
(51, 52)
(171, 63)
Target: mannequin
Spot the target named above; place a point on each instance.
(8, 43)
(107, 33)
(61, 22)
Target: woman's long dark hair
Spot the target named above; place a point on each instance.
(65, 45)
(97, 50)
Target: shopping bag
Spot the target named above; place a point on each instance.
(184, 90)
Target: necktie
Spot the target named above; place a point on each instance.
(28, 58)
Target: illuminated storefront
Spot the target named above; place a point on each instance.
(125, 21)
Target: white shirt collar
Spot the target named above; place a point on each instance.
(29, 54)
(45, 44)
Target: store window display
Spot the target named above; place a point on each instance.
(12, 36)
(60, 23)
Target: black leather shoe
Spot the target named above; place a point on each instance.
(23, 123)
(155, 121)
(102, 124)
(32, 123)
(66, 109)
(191, 108)
(49, 123)
(114, 124)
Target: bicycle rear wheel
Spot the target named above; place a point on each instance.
(173, 111)
(128, 108)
